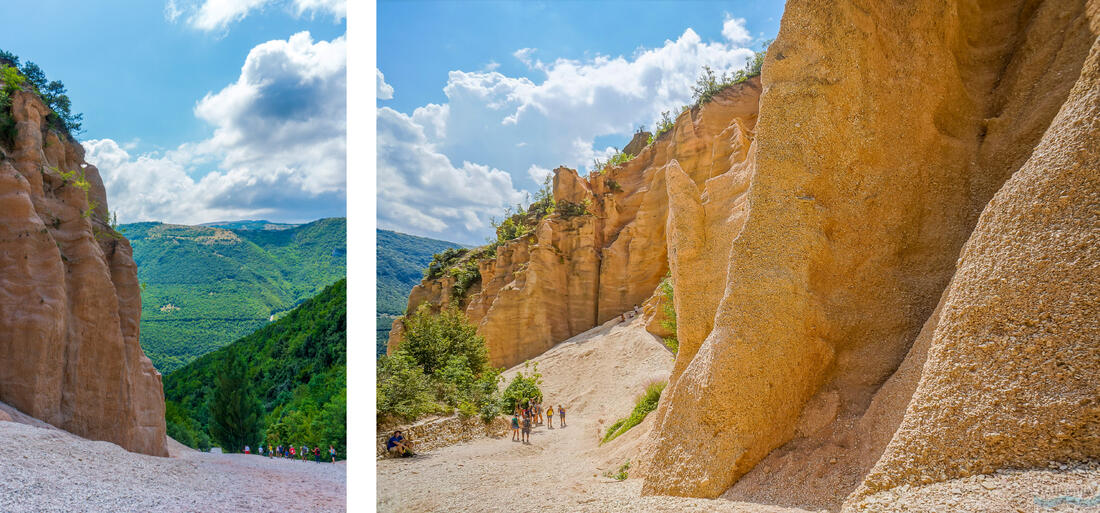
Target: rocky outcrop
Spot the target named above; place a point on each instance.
(1011, 376)
(870, 172)
(580, 270)
(70, 301)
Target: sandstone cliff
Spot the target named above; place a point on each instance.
(833, 342)
(577, 271)
(70, 301)
(884, 131)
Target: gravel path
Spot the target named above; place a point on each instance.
(53, 471)
(597, 375)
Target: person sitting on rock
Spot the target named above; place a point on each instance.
(399, 445)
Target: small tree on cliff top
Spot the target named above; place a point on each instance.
(235, 410)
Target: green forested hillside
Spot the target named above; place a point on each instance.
(298, 366)
(401, 262)
(206, 286)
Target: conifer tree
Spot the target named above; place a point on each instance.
(235, 410)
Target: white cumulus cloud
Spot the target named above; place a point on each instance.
(213, 15)
(278, 146)
(734, 30)
(421, 191)
(521, 126)
(385, 91)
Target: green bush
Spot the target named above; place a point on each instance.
(664, 125)
(709, 84)
(522, 389)
(431, 340)
(403, 388)
(647, 403)
(614, 160)
(441, 365)
(53, 94)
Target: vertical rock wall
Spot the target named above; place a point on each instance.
(884, 130)
(70, 301)
(576, 272)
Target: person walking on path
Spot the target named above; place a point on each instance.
(316, 454)
(292, 452)
(332, 453)
(515, 428)
(527, 429)
(550, 417)
(561, 415)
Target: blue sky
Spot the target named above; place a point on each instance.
(140, 70)
(478, 100)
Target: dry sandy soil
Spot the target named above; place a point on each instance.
(597, 376)
(48, 470)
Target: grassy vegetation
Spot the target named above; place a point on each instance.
(646, 404)
(614, 160)
(709, 84)
(668, 307)
(664, 125)
(621, 474)
(298, 367)
(206, 287)
(442, 365)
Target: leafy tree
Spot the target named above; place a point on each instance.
(522, 388)
(34, 74)
(403, 389)
(431, 340)
(234, 407)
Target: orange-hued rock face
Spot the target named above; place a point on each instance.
(884, 130)
(575, 272)
(70, 301)
(1011, 376)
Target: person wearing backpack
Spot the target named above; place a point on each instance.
(561, 415)
(527, 429)
(332, 453)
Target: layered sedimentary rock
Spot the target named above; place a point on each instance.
(577, 271)
(884, 130)
(70, 300)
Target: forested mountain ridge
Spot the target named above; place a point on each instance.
(205, 286)
(297, 368)
(402, 259)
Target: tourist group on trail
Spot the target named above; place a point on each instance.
(530, 412)
(303, 453)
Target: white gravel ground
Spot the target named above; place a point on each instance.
(46, 470)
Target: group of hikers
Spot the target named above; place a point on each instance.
(291, 452)
(530, 411)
